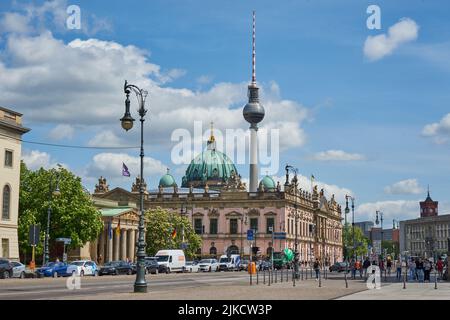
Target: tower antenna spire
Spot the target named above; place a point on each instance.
(254, 49)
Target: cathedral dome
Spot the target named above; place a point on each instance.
(268, 183)
(211, 167)
(167, 180)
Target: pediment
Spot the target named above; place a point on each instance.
(120, 195)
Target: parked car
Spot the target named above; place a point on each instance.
(264, 265)
(208, 265)
(174, 260)
(244, 264)
(151, 266)
(231, 263)
(83, 268)
(6, 269)
(340, 267)
(18, 270)
(116, 268)
(192, 266)
(52, 269)
(162, 268)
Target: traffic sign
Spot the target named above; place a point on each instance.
(250, 235)
(65, 240)
(279, 235)
(34, 234)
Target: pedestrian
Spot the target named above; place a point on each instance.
(412, 270)
(100, 260)
(353, 269)
(440, 267)
(389, 266)
(366, 264)
(419, 269)
(317, 268)
(358, 268)
(399, 270)
(427, 270)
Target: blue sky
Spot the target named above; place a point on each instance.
(311, 65)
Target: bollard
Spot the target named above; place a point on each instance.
(293, 278)
(346, 282)
(404, 281)
(306, 272)
(435, 280)
(257, 276)
(276, 275)
(251, 278)
(264, 276)
(281, 277)
(269, 277)
(301, 272)
(320, 280)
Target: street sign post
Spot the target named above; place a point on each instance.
(66, 241)
(250, 235)
(34, 235)
(279, 235)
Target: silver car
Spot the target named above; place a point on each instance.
(18, 270)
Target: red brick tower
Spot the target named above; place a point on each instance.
(428, 208)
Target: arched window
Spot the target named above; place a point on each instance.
(6, 202)
(213, 251)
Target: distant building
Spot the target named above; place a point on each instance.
(11, 131)
(365, 226)
(427, 236)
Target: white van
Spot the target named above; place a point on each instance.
(231, 263)
(174, 260)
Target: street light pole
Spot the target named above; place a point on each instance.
(51, 193)
(295, 185)
(140, 284)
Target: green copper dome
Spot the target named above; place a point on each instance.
(268, 183)
(167, 180)
(211, 167)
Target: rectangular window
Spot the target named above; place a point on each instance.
(8, 158)
(213, 226)
(198, 226)
(270, 222)
(254, 224)
(5, 248)
(233, 226)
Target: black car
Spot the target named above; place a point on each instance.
(151, 260)
(265, 265)
(6, 269)
(116, 268)
(340, 267)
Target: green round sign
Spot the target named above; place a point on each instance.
(289, 255)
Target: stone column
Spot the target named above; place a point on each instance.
(123, 245)
(130, 238)
(116, 245)
(102, 246)
(110, 248)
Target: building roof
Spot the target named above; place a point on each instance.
(114, 212)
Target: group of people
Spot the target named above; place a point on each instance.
(419, 269)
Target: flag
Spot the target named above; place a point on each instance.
(174, 233)
(118, 229)
(110, 233)
(125, 171)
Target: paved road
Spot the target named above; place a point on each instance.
(50, 288)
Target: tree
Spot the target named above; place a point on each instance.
(361, 242)
(390, 247)
(160, 232)
(73, 213)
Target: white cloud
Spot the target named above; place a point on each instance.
(62, 131)
(377, 47)
(409, 186)
(337, 155)
(106, 138)
(397, 209)
(109, 165)
(36, 159)
(438, 131)
(204, 80)
(14, 22)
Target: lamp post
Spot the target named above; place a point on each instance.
(52, 192)
(382, 232)
(345, 233)
(295, 180)
(353, 221)
(127, 121)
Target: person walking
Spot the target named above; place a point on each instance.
(358, 268)
(389, 266)
(353, 269)
(366, 264)
(317, 267)
(440, 267)
(419, 269)
(399, 270)
(427, 270)
(412, 270)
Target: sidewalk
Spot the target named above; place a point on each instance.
(413, 291)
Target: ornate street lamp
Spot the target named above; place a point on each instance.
(295, 180)
(353, 221)
(127, 121)
(377, 221)
(53, 191)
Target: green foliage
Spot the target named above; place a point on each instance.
(160, 225)
(390, 247)
(361, 242)
(73, 213)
